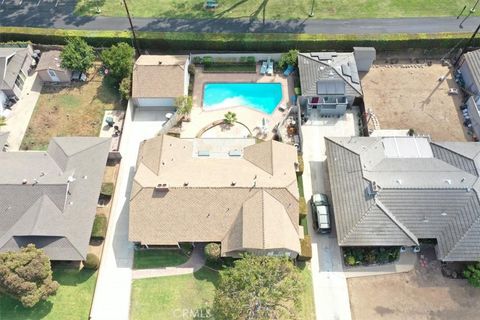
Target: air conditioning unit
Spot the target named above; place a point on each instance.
(161, 187)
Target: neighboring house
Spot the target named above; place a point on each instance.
(15, 64)
(50, 198)
(159, 80)
(469, 66)
(50, 70)
(329, 80)
(232, 191)
(399, 191)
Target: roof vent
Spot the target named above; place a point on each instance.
(444, 214)
(161, 187)
(35, 181)
(42, 174)
(24, 181)
(398, 181)
(373, 188)
(425, 219)
(71, 179)
(185, 183)
(463, 179)
(448, 181)
(233, 183)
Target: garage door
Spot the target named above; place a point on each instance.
(155, 102)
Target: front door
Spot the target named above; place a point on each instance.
(53, 75)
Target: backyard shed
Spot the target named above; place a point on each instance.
(159, 80)
(470, 69)
(49, 68)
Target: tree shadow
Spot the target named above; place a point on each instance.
(11, 308)
(235, 5)
(209, 275)
(71, 277)
(108, 93)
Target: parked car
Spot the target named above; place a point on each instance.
(321, 213)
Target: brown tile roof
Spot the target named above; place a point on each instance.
(210, 208)
(159, 77)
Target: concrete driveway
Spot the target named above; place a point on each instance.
(112, 292)
(329, 282)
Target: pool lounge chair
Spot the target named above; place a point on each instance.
(269, 67)
(263, 69)
(289, 70)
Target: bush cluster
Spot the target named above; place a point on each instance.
(99, 229)
(92, 262)
(212, 251)
(305, 248)
(354, 256)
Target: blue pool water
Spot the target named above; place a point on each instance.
(263, 97)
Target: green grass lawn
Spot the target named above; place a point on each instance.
(72, 301)
(171, 297)
(158, 258)
(277, 9)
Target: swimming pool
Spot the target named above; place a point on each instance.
(263, 97)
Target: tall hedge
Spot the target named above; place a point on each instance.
(237, 41)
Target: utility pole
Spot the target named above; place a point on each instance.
(469, 42)
(311, 10)
(135, 41)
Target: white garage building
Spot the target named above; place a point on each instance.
(159, 80)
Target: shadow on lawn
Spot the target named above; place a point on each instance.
(71, 277)
(108, 93)
(12, 309)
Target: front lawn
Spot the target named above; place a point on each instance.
(277, 9)
(158, 258)
(191, 296)
(72, 301)
(173, 297)
(75, 110)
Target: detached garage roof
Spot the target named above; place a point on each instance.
(159, 76)
(50, 60)
(395, 191)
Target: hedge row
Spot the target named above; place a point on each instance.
(236, 41)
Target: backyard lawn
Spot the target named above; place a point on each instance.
(72, 301)
(76, 110)
(277, 9)
(161, 258)
(191, 296)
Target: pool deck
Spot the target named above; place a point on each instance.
(247, 116)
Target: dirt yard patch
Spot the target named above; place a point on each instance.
(74, 110)
(411, 96)
(420, 294)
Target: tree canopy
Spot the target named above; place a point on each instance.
(118, 59)
(289, 58)
(26, 275)
(184, 105)
(77, 55)
(258, 287)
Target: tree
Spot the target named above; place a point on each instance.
(472, 273)
(118, 59)
(288, 58)
(77, 55)
(258, 287)
(184, 105)
(26, 275)
(212, 251)
(230, 118)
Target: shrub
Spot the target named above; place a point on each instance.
(212, 251)
(197, 60)
(191, 69)
(125, 87)
(92, 262)
(305, 248)
(230, 118)
(472, 274)
(3, 121)
(302, 206)
(99, 229)
(251, 60)
(207, 61)
(298, 91)
(288, 58)
(184, 105)
(350, 260)
(107, 189)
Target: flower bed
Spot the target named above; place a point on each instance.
(366, 256)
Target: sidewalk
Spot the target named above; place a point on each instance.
(195, 263)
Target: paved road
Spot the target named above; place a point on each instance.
(329, 282)
(45, 13)
(112, 292)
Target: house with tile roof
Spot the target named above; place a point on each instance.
(330, 81)
(49, 198)
(236, 192)
(158, 80)
(399, 191)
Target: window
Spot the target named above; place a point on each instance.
(20, 80)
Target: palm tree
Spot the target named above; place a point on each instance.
(230, 118)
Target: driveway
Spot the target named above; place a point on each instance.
(329, 282)
(19, 118)
(112, 293)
